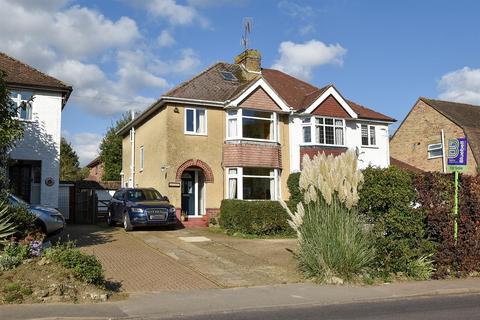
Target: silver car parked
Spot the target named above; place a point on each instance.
(49, 219)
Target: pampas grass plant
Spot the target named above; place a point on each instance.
(334, 244)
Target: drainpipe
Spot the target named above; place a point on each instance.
(132, 147)
(444, 160)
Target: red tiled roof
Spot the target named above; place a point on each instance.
(19, 73)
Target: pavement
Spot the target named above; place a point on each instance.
(202, 302)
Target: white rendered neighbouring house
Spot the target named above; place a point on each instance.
(34, 166)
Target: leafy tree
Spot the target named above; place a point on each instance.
(10, 130)
(111, 149)
(69, 164)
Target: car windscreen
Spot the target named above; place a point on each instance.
(17, 201)
(143, 195)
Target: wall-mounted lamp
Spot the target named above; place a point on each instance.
(164, 168)
(176, 110)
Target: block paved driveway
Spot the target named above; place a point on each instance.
(136, 266)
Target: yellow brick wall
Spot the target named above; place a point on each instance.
(422, 127)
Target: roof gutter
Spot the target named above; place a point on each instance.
(159, 103)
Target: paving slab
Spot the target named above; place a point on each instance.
(133, 264)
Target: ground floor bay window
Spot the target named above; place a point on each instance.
(252, 183)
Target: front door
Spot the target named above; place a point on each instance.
(20, 181)
(193, 192)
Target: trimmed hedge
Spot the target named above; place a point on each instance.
(254, 217)
(436, 196)
(401, 239)
(293, 184)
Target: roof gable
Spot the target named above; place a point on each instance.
(330, 107)
(260, 100)
(332, 92)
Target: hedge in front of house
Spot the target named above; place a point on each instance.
(254, 217)
(296, 195)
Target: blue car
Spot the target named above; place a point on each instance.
(48, 219)
(140, 207)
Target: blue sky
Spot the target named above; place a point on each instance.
(121, 54)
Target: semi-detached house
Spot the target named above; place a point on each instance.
(236, 131)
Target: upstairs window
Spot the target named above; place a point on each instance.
(22, 101)
(251, 124)
(368, 135)
(435, 150)
(323, 131)
(195, 121)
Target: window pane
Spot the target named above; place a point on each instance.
(339, 123)
(258, 114)
(257, 189)
(257, 172)
(307, 134)
(364, 135)
(232, 128)
(339, 136)
(25, 111)
(25, 95)
(372, 136)
(256, 129)
(329, 135)
(319, 120)
(306, 120)
(232, 188)
(435, 153)
(232, 171)
(200, 121)
(232, 113)
(320, 135)
(189, 120)
(329, 121)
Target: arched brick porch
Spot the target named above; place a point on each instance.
(207, 171)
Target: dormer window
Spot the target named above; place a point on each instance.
(22, 101)
(252, 125)
(323, 131)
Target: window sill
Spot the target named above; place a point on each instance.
(24, 120)
(322, 145)
(195, 134)
(436, 157)
(370, 147)
(251, 140)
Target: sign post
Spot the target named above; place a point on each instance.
(457, 162)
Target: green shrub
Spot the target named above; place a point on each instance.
(253, 217)
(293, 184)
(83, 266)
(387, 199)
(7, 226)
(14, 249)
(23, 220)
(9, 262)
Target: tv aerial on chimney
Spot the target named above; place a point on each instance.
(247, 29)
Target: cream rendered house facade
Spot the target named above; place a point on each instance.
(237, 131)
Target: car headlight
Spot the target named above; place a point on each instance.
(172, 210)
(57, 218)
(136, 210)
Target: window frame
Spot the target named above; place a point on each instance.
(369, 135)
(431, 148)
(239, 176)
(142, 158)
(17, 101)
(195, 110)
(312, 124)
(238, 116)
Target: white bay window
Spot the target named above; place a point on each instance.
(252, 183)
(323, 131)
(252, 125)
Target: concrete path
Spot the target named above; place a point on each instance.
(227, 261)
(132, 264)
(207, 301)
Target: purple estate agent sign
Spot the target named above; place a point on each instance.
(457, 154)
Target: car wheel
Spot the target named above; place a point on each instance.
(110, 221)
(126, 222)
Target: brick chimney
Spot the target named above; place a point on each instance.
(251, 60)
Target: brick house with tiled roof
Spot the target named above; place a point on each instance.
(421, 139)
(246, 128)
(34, 162)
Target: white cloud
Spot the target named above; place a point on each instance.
(296, 10)
(185, 65)
(176, 14)
(462, 85)
(300, 59)
(85, 144)
(165, 39)
(216, 3)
